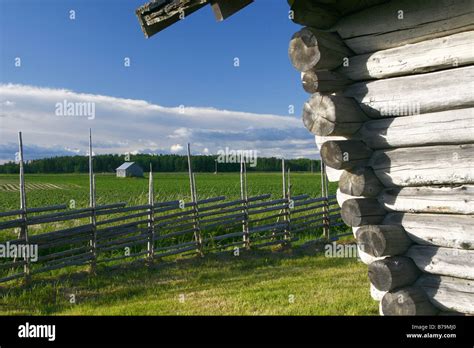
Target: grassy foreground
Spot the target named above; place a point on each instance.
(298, 281)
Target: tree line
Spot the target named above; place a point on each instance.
(160, 163)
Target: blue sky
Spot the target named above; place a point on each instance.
(189, 64)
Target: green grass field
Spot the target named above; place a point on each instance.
(168, 186)
(296, 281)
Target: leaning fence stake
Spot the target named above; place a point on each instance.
(324, 194)
(288, 210)
(192, 184)
(151, 218)
(243, 197)
(92, 204)
(24, 224)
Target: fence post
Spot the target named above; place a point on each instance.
(151, 218)
(24, 224)
(288, 210)
(324, 194)
(244, 197)
(192, 184)
(92, 204)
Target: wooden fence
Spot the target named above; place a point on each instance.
(105, 233)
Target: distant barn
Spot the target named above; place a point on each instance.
(129, 169)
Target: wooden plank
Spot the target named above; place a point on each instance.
(122, 218)
(447, 164)
(154, 16)
(443, 261)
(260, 211)
(313, 13)
(259, 197)
(266, 203)
(307, 208)
(426, 56)
(68, 252)
(418, 21)
(224, 9)
(448, 293)
(438, 128)
(437, 200)
(430, 92)
(219, 212)
(444, 230)
(210, 200)
(225, 236)
(220, 206)
(176, 246)
(223, 218)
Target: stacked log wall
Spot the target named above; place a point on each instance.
(392, 111)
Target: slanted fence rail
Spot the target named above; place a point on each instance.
(101, 234)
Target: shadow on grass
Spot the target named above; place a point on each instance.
(112, 285)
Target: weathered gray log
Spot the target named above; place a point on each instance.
(393, 272)
(448, 293)
(349, 6)
(427, 165)
(402, 22)
(323, 81)
(362, 211)
(332, 115)
(333, 175)
(431, 92)
(312, 13)
(439, 200)
(407, 301)
(345, 154)
(313, 49)
(444, 230)
(224, 9)
(360, 181)
(457, 263)
(426, 56)
(342, 7)
(438, 128)
(383, 240)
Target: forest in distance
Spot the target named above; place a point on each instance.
(160, 163)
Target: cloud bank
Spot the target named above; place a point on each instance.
(122, 126)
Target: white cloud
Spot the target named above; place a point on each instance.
(176, 148)
(137, 126)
